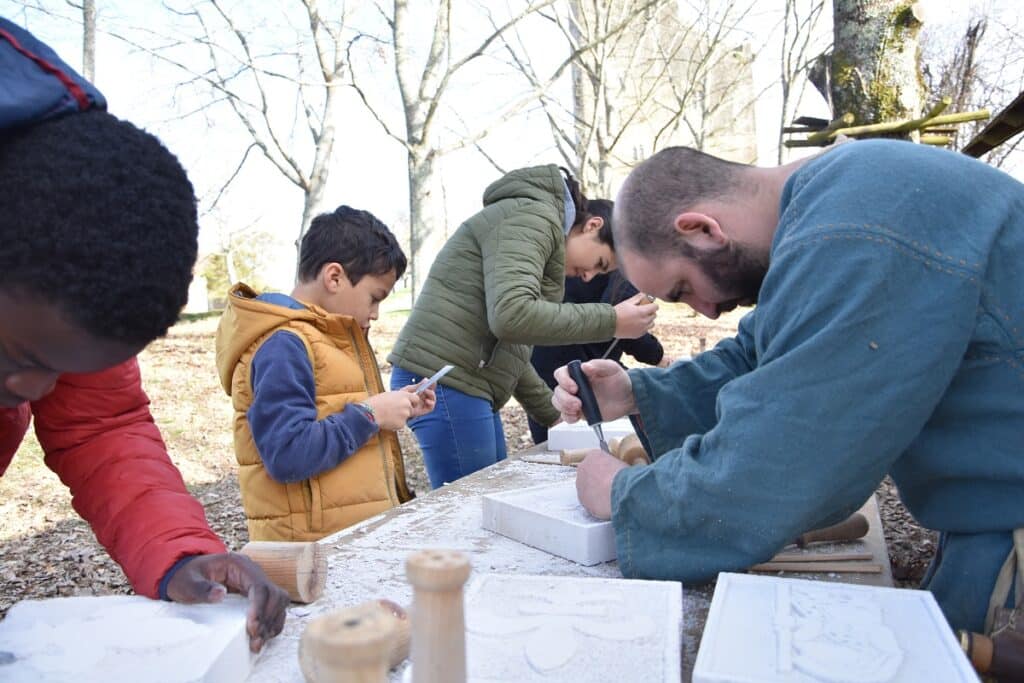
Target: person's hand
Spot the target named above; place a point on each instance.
(611, 385)
(634, 317)
(665, 361)
(392, 409)
(208, 578)
(594, 482)
(428, 399)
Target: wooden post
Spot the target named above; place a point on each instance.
(438, 620)
(298, 567)
(351, 645)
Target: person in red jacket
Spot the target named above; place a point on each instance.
(98, 236)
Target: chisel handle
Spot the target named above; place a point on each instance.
(850, 529)
(585, 392)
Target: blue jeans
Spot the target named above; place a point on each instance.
(460, 436)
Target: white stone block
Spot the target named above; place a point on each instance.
(557, 628)
(551, 518)
(763, 629)
(564, 436)
(124, 639)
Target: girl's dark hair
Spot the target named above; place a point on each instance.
(356, 239)
(579, 202)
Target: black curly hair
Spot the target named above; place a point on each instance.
(356, 239)
(97, 218)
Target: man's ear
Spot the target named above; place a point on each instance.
(700, 230)
(331, 276)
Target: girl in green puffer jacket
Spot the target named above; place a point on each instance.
(494, 290)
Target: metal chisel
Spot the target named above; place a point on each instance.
(586, 395)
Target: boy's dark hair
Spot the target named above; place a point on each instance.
(354, 238)
(97, 218)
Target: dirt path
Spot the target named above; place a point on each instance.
(46, 550)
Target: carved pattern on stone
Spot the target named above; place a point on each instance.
(833, 635)
(550, 625)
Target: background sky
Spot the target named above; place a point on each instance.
(369, 169)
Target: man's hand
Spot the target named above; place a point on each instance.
(611, 385)
(208, 578)
(635, 317)
(428, 399)
(594, 482)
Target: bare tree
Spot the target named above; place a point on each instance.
(286, 97)
(87, 8)
(424, 74)
(641, 79)
(799, 25)
(978, 66)
(874, 70)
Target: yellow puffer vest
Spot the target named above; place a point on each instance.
(369, 481)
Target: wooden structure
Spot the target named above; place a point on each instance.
(1005, 125)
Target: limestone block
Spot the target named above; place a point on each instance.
(551, 518)
(124, 639)
(781, 630)
(559, 628)
(581, 435)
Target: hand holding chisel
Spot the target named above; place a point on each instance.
(591, 411)
(634, 318)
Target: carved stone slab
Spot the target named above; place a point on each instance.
(768, 629)
(551, 518)
(558, 628)
(564, 436)
(124, 639)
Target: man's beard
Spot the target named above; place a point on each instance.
(737, 271)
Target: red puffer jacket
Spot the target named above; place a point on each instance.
(100, 439)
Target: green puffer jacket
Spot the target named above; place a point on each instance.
(495, 290)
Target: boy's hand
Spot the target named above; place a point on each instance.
(392, 409)
(428, 399)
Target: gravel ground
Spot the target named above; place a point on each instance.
(46, 550)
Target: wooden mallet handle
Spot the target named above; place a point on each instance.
(298, 567)
(850, 529)
(1001, 658)
(438, 620)
(348, 646)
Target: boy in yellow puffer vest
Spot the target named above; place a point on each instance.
(313, 425)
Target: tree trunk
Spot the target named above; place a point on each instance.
(317, 185)
(875, 65)
(89, 40)
(425, 240)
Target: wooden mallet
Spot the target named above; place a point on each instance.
(438, 620)
(298, 567)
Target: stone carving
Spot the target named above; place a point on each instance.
(833, 635)
(551, 518)
(527, 628)
(791, 630)
(122, 639)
